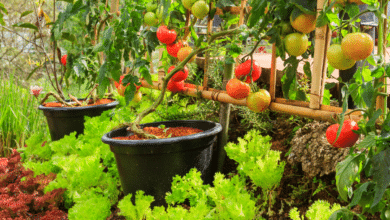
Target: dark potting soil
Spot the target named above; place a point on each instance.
(98, 102)
(163, 133)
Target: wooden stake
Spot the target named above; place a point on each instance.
(272, 83)
(322, 39)
(242, 12)
(207, 53)
(381, 101)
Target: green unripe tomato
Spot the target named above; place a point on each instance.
(151, 7)
(151, 19)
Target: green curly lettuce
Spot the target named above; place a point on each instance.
(256, 160)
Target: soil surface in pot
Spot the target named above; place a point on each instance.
(163, 133)
(98, 102)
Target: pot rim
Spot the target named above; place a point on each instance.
(111, 104)
(213, 131)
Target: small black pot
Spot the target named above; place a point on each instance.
(150, 165)
(65, 120)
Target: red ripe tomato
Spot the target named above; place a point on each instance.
(63, 59)
(347, 137)
(174, 48)
(174, 86)
(180, 75)
(165, 35)
(237, 89)
(244, 69)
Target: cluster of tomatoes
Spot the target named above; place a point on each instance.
(354, 47)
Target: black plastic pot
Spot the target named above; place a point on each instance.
(65, 120)
(150, 165)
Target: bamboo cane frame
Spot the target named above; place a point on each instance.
(322, 41)
(312, 109)
(299, 108)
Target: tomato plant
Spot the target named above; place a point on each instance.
(366, 88)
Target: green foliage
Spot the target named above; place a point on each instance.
(77, 162)
(252, 120)
(256, 160)
(3, 11)
(90, 205)
(139, 211)
(231, 199)
(228, 199)
(19, 117)
(188, 187)
(319, 210)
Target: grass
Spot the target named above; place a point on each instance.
(19, 115)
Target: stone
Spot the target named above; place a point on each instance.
(310, 148)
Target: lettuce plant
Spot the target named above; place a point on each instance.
(319, 210)
(258, 162)
(228, 199)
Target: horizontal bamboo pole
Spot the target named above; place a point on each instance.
(211, 94)
(299, 108)
(307, 105)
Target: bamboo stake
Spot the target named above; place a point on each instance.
(207, 53)
(242, 11)
(241, 22)
(161, 72)
(272, 83)
(326, 113)
(322, 39)
(381, 101)
(224, 119)
(327, 108)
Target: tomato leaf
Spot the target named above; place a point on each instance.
(68, 36)
(346, 173)
(352, 10)
(368, 92)
(329, 85)
(378, 72)
(145, 73)
(381, 174)
(385, 133)
(258, 8)
(307, 70)
(307, 7)
(193, 33)
(322, 19)
(367, 142)
(375, 116)
(326, 97)
(342, 213)
(129, 93)
(361, 189)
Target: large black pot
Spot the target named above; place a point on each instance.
(150, 165)
(65, 120)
